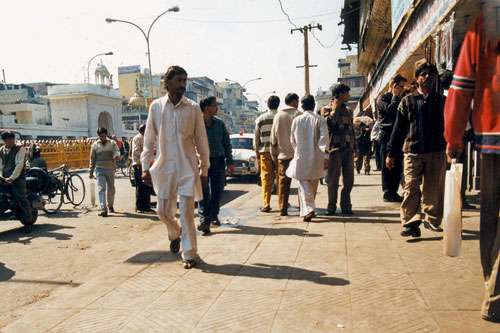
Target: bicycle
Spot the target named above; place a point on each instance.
(62, 184)
(123, 166)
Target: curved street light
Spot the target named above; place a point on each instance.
(88, 66)
(146, 36)
(261, 96)
(243, 86)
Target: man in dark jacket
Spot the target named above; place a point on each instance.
(419, 131)
(387, 107)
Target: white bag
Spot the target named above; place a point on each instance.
(452, 218)
(92, 193)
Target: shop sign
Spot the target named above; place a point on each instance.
(422, 24)
(398, 11)
(129, 69)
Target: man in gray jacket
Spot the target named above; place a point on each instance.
(281, 147)
(103, 154)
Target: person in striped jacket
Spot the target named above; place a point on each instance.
(262, 147)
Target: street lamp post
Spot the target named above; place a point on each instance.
(88, 66)
(229, 80)
(146, 36)
(261, 96)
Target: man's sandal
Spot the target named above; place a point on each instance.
(188, 264)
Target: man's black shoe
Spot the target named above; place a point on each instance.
(468, 206)
(283, 212)
(28, 228)
(216, 222)
(393, 198)
(111, 209)
(266, 209)
(432, 227)
(330, 213)
(175, 245)
(348, 212)
(204, 228)
(411, 231)
(103, 213)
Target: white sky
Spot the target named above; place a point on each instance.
(53, 40)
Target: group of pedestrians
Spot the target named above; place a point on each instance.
(305, 145)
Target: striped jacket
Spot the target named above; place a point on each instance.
(262, 137)
(419, 125)
(477, 76)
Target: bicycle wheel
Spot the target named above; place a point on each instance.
(126, 168)
(52, 196)
(75, 189)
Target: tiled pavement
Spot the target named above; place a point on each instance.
(279, 274)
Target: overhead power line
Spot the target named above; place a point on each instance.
(288, 17)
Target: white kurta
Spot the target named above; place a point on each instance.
(309, 139)
(180, 134)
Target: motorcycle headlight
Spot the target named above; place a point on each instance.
(251, 159)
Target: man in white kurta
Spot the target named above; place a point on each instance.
(308, 166)
(175, 123)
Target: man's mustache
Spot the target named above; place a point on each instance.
(181, 89)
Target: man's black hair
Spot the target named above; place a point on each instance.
(339, 88)
(8, 135)
(171, 72)
(308, 102)
(289, 98)
(207, 101)
(102, 130)
(273, 102)
(420, 68)
(142, 128)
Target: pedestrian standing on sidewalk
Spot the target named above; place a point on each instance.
(262, 147)
(387, 109)
(175, 123)
(363, 145)
(309, 140)
(142, 191)
(418, 132)
(476, 78)
(342, 144)
(281, 147)
(103, 154)
(220, 156)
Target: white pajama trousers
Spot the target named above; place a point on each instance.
(166, 211)
(307, 195)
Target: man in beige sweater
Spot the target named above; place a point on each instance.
(281, 147)
(103, 154)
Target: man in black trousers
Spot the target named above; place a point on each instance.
(142, 191)
(387, 108)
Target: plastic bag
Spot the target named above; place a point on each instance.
(375, 133)
(92, 193)
(452, 215)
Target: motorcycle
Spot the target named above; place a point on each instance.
(36, 181)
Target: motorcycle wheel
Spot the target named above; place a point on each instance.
(34, 217)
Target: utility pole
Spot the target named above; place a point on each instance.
(305, 30)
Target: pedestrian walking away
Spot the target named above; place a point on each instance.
(281, 148)
(476, 78)
(175, 123)
(386, 108)
(103, 154)
(418, 132)
(220, 157)
(309, 141)
(142, 191)
(342, 144)
(262, 147)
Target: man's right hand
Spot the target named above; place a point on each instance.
(389, 162)
(146, 178)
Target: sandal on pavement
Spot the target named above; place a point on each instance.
(188, 264)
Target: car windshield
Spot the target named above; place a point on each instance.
(242, 143)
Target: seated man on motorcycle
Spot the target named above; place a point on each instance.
(12, 167)
(36, 160)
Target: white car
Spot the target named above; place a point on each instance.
(244, 155)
